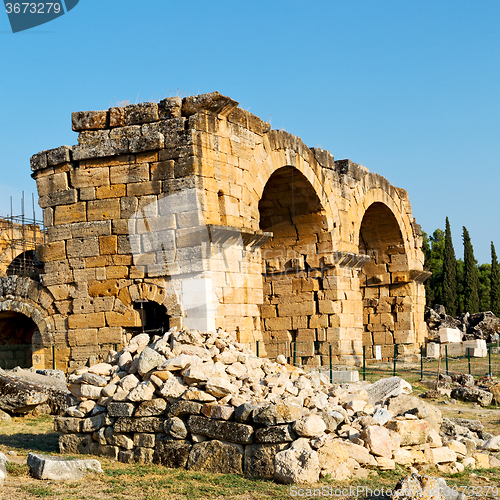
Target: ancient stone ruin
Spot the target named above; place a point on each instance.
(193, 213)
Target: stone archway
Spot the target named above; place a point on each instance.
(292, 265)
(387, 285)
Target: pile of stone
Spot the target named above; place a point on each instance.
(202, 401)
(480, 326)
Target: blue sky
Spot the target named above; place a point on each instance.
(409, 89)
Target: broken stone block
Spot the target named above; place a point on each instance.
(216, 457)
(259, 459)
(472, 394)
(220, 429)
(297, 466)
(58, 468)
(449, 335)
(171, 453)
(385, 388)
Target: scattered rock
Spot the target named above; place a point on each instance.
(58, 468)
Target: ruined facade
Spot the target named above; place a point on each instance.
(193, 213)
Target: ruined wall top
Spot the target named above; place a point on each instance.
(146, 126)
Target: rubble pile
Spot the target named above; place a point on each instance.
(482, 326)
(202, 401)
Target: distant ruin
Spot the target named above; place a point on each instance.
(193, 213)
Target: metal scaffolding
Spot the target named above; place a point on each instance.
(20, 235)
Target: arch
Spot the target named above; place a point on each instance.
(292, 211)
(16, 340)
(284, 149)
(25, 264)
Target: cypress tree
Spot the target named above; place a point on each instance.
(494, 283)
(449, 273)
(471, 277)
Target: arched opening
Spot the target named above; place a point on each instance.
(387, 317)
(292, 280)
(25, 264)
(153, 318)
(16, 333)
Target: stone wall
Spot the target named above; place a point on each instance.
(193, 209)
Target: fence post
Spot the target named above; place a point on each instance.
(364, 362)
(257, 348)
(421, 362)
(394, 361)
(295, 354)
(489, 360)
(116, 347)
(446, 357)
(468, 357)
(53, 357)
(331, 363)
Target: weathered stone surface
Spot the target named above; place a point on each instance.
(217, 412)
(175, 428)
(358, 453)
(297, 466)
(415, 486)
(144, 424)
(216, 457)
(75, 443)
(68, 425)
(143, 440)
(412, 432)
(277, 414)
(259, 459)
(442, 455)
(151, 408)
(184, 408)
(93, 379)
(3, 472)
(332, 454)
(148, 360)
(493, 444)
(5, 417)
(378, 441)
(309, 426)
(385, 388)
(473, 394)
(275, 434)
(57, 468)
(403, 404)
(171, 453)
(220, 429)
(120, 409)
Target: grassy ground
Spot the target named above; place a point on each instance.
(149, 482)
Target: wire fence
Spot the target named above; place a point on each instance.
(410, 367)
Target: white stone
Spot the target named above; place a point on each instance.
(219, 387)
(296, 466)
(179, 362)
(102, 369)
(442, 455)
(129, 382)
(432, 350)
(143, 392)
(309, 426)
(449, 335)
(173, 388)
(90, 391)
(493, 444)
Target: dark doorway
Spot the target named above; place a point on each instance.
(16, 332)
(154, 318)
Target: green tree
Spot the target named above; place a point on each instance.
(484, 273)
(433, 248)
(449, 273)
(494, 283)
(471, 278)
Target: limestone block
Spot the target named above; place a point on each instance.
(442, 455)
(84, 178)
(89, 120)
(126, 174)
(113, 191)
(67, 214)
(66, 197)
(50, 252)
(93, 320)
(58, 468)
(99, 210)
(106, 288)
(82, 247)
(130, 319)
(449, 335)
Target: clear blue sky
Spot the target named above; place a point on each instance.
(410, 89)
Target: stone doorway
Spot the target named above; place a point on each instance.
(16, 340)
